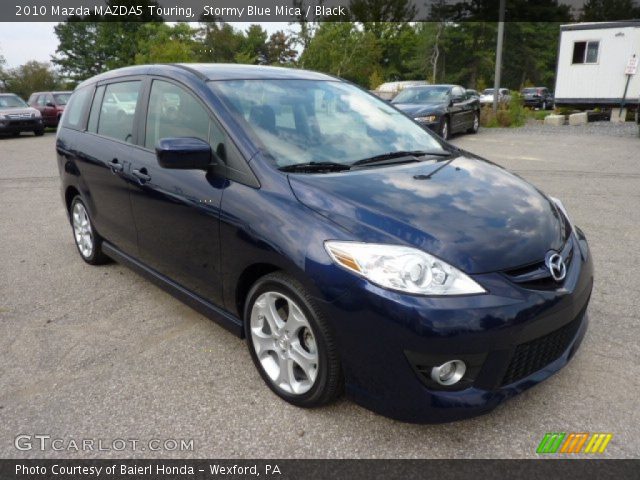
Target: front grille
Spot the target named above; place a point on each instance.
(23, 123)
(534, 355)
(536, 275)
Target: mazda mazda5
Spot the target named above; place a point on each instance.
(352, 248)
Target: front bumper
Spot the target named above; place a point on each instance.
(13, 126)
(434, 126)
(511, 339)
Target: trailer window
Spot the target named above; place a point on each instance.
(585, 52)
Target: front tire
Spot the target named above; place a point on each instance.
(290, 343)
(88, 242)
(39, 132)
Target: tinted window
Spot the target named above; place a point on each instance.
(74, 113)
(118, 110)
(173, 112)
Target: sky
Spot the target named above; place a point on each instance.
(24, 41)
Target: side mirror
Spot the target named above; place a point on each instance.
(50, 104)
(456, 99)
(185, 153)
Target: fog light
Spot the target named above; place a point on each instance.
(449, 373)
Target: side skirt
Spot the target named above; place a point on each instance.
(206, 308)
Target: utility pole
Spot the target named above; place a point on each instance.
(496, 77)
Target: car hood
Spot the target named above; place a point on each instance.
(412, 109)
(471, 213)
(19, 111)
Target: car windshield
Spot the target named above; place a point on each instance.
(11, 101)
(304, 121)
(487, 91)
(61, 98)
(422, 95)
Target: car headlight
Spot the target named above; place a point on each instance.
(428, 119)
(402, 268)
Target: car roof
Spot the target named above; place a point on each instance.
(214, 71)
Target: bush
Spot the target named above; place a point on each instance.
(511, 114)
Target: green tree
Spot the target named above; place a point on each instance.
(3, 62)
(254, 48)
(279, 49)
(91, 45)
(220, 41)
(32, 77)
(163, 43)
(602, 10)
(343, 49)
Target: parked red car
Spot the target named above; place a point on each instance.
(50, 104)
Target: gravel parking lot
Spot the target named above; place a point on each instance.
(100, 353)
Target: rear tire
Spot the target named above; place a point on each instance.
(290, 343)
(88, 242)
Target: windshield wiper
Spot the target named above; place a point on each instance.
(315, 167)
(402, 156)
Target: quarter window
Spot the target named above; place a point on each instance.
(586, 52)
(74, 113)
(118, 110)
(173, 112)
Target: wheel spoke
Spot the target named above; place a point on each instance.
(285, 378)
(263, 343)
(296, 319)
(305, 360)
(271, 313)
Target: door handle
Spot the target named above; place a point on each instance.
(116, 166)
(141, 175)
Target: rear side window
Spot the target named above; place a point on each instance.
(74, 114)
(118, 110)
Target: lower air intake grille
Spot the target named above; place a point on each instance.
(536, 354)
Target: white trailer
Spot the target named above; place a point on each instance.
(592, 61)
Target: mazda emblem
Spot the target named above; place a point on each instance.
(556, 267)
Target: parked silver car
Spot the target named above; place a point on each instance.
(16, 116)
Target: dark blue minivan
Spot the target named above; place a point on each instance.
(352, 248)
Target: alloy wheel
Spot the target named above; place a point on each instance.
(82, 230)
(476, 122)
(284, 343)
